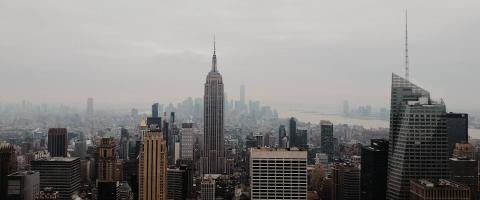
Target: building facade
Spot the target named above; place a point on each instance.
(153, 167)
(438, 190)
(418, 141)
(373, 174)
(326, 139)
(8, 165)
(345, 181)
(23, 185)
(187, 141)
(457, 129)
(278, 173)
(214, 152)
(57, 142)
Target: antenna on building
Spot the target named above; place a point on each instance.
(407, 67)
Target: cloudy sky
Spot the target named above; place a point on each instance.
(290, 54)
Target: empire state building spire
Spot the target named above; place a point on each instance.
(214, 57)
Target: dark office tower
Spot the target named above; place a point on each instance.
(130, 174)
(464, 169)
(107, 190)
(373, 173)
(124, 191)
(89, 107)
(155, 110)
(57, 142)
(124, 144)
(177, 184)
(8, 165)
(292, 131)
(418, 141)
(457, 129)
(61, 174)
(302, 138)
(214, 152)
(281, 134)
(345, 182)
(326, 139)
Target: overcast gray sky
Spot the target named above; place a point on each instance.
(288, 53)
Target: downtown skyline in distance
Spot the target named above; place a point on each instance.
(321, 57)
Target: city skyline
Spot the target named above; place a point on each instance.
(96, 65)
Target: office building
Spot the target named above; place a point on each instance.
(177, 184)
(345, 181)
(442, 189)
(326, 139)
(418, 138)
(464, 169)
(187, 141)
(259, 140)
(107, 159)
(302, 138)
(8, 165)
(278, 173)
(292, 131)
(89, 107)
(57, 142)
(282, 132)
(463, 151)
(153, 167)
(155, 110)
(214, 152)
(373, 173)
(457, 129)
(60, 173)
(207, 188)
(130, 175)
(124, 191)
(124, 144)
(23, 185)
(107, 190)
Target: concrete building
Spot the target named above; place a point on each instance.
(464, 169)
(107, 159)
(60, 173)
(57, 142)
(187, 141)
(8, 165)
(214, 152)
(125, 191)
(278, 173)
(418, 138)
(438, 190)
(345, 182)
(153, 167)
(23, 185)
(326, 139)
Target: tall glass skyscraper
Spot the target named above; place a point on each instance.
(214, 153)
(418, 142)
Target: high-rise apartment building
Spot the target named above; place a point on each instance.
(153, 167)
(326, 139)
(186, 141)
(278, 173)
(214, 152)
(457, 129)
(8, 165)
(60, 173)
(373, 173)
(442, 189)
(345, 181)
(23, 185)
(57, 142)
(418, 142)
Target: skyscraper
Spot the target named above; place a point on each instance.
(187, 141)
(60, 173)
(57, 142)
(177, 184)
(423, 189)
(242, 97)
(326, 139)
(292, 131)
(153, 167)
(464, 169)
(345, 182)
(457, 129)
(107, 159)
(214, 153)
(124, 144)
(89, 107)
(207, 188)
(281, 134)
(155, 110)
(278, 173)
(8, 164)
(418, 142)
(373, 173)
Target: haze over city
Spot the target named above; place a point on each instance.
(288, 54)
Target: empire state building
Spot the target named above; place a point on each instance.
(213, 152)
